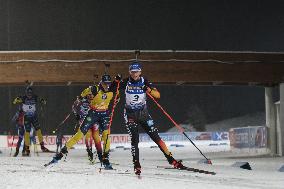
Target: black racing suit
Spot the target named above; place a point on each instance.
(136, 115)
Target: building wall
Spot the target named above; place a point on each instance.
(182, 102)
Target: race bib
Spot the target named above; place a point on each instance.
(30, 109)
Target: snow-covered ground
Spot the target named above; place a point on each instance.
(76, 172)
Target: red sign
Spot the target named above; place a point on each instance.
(12, 141)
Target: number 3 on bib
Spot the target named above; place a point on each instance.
(136, 97)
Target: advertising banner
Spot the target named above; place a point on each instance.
(248, 137)
(50, 140)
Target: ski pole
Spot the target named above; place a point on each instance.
(179, 127)
(112, 112)
(58, 126)
(114, 105)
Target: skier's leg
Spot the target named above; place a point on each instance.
(89, 144)
(27, 126)
(84, 127)
(130, 119)
(97, 140)
(37, 128)
(57, 147)
(21, 132)
(132, 129)
(104, 127)
(87, 139)
(152, 131)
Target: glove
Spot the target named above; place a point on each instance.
(17, 100)
(43, 101)
(118, 77)
(77, 117)
(147, 89)
(86, 92)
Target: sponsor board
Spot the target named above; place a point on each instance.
(50, 140)
(248, 137)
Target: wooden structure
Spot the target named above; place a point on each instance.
(174, 67)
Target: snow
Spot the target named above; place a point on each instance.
(76, 172)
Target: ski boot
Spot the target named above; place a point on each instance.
(100, 156)
(43, 148)
(137, 168)
(59, 155)
(90, 154)
(176, 164)
(27, 151)
(106, 162)
(16, 153)
(24, 149)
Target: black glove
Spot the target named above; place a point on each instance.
(146, 88)
(118, 77)
(77, 117)
(43, 101)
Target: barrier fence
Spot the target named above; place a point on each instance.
(8, 141)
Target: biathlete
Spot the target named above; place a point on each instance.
(136, 114)
(80, 110)
(28, 105)
(99, 113)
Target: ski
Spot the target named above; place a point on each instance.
(53, 161)
(119, 172)
(48, 151)
(191, 169)
(112, 163)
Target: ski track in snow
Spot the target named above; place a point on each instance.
(77, 172)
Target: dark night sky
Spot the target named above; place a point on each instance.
(135, 24)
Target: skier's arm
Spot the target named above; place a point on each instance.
(15, 117)
(114, 86)
(90, 90)
(75, 108)
(86, 92)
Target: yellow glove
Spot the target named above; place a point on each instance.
(17, 100)
(154, 92)
(87, 91)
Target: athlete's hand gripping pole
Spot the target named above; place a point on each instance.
(179, 127)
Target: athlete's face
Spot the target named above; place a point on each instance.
(135, 74)
(29, 95)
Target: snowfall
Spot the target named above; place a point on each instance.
(77, 172)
